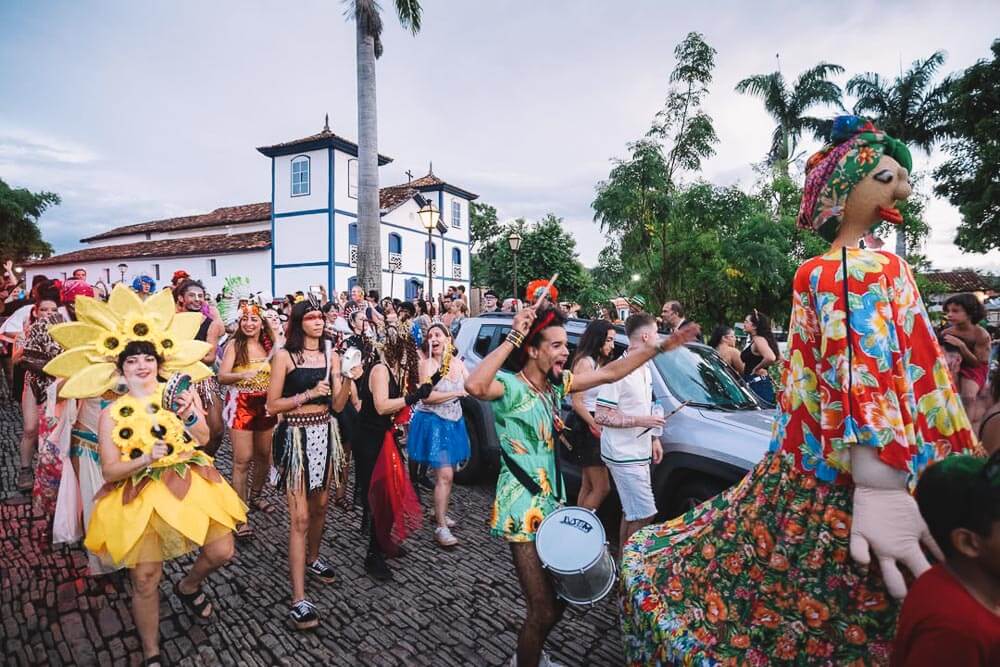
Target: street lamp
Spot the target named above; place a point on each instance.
(441, 227)
(515, 245)
(428, 218)
(122, 268)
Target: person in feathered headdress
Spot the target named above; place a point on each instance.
(306, 386)
(162, 497)
(777, 569)
(245, 371)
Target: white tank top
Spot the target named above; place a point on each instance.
(590, 396)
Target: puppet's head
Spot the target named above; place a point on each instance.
(855, 180)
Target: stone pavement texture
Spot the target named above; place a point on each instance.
(458, 607)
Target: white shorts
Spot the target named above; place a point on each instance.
(635, 489)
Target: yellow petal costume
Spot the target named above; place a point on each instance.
(181, 502)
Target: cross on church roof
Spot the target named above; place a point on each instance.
(409, 175)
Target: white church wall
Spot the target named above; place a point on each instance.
(345, 196)
(318, 183)
(301, 239)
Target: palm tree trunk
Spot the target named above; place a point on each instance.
(369, 245)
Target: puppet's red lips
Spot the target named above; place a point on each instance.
(890, 214)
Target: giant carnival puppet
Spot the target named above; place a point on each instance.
(799, 563)
(162, 496)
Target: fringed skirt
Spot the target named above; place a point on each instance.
(307, 449)
(758, 575)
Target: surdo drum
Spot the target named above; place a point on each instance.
(574, 549)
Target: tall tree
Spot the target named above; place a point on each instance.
(368, 24)
(789, 107)
(20, 237)
(483, 225)
(971, 178)
(909, 107)
(634, 204)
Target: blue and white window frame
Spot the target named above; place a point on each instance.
(301, 169)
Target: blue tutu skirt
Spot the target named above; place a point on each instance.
(437, 442)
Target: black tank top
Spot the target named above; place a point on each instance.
(301, 379)
(368, 416)
(202, 334)
(750, 359)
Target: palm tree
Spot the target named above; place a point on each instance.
(368, 22)
(788, 107)
(907, 108)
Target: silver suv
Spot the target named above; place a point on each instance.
(710, 444)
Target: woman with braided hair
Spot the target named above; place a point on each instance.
(388, 388)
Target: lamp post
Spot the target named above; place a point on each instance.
(122, 268)
(515, 245)
(442, 228)
(428, 218)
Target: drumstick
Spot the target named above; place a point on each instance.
(545, 292)
(666, 417)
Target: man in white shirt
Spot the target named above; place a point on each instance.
(627, 446)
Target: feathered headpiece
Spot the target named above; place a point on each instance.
(536, 288)
(102, 331)
(235, 290)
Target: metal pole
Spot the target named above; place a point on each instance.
(430, 273)
(515, 274)
(392, 281)
(442, 263)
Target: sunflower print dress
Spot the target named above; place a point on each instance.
(524, 423)
(761, 574)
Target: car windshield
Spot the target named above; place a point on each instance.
(697, 375)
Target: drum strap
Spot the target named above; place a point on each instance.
(525, 480)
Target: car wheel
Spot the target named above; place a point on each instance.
(691, 492)
(470, 471)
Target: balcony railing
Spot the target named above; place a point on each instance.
(456, 272)
(395, 261)
(353, 260)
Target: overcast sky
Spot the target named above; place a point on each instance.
(134, 111)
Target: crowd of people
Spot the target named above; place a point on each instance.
(884, 447)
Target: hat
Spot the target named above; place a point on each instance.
(491, 293)
(637, 301)
(179, 275)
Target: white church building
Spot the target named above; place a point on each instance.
(305, 235)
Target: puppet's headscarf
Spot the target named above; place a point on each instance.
(855, 148)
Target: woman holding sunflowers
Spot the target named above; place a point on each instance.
(778, 569)
(163, 498)
(526, 411)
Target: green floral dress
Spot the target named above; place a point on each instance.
(761, 574)
(524, 423)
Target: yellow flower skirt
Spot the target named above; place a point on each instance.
(161, 519)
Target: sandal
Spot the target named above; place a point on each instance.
(262, 504)
(196, 602)
(25, 479)
(244, 532)
(152, 660)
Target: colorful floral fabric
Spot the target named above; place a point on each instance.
(898, 397)
(761, 574)
(524, 422)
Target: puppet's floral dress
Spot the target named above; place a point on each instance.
(761, 574)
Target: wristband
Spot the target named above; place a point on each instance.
(410, 399)
(515, 338)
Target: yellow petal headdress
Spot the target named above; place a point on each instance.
(102, 331)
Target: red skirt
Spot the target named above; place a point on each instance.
(247, 411)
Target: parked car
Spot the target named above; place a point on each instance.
(708, 445)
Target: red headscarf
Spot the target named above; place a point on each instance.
(73, 288)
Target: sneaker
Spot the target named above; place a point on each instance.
(320, 569)
(451, 523)
(444, 537)
(304, 615)
(376, 567)
(547, 661)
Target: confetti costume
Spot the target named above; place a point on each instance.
(761, 574)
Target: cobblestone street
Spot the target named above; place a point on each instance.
(459, 607)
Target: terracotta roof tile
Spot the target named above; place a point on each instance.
(432, 182)
(962, 281)
(213, 244)
(395, 195)
(228, 215)
(322, 139)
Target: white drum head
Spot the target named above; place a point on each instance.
(570, 539)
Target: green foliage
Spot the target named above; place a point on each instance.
(971, 178)
(546, 249)
(789, 107)
(483, 225)
(20, 237)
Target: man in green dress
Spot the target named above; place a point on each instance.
(526, 409)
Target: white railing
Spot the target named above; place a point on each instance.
(353, 260)
(456, 272)
(395, 261)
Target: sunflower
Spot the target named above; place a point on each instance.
(543, 481)
(125, 408)
(140, 327)
(111, 343)
(165, 345)
(533, 519)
